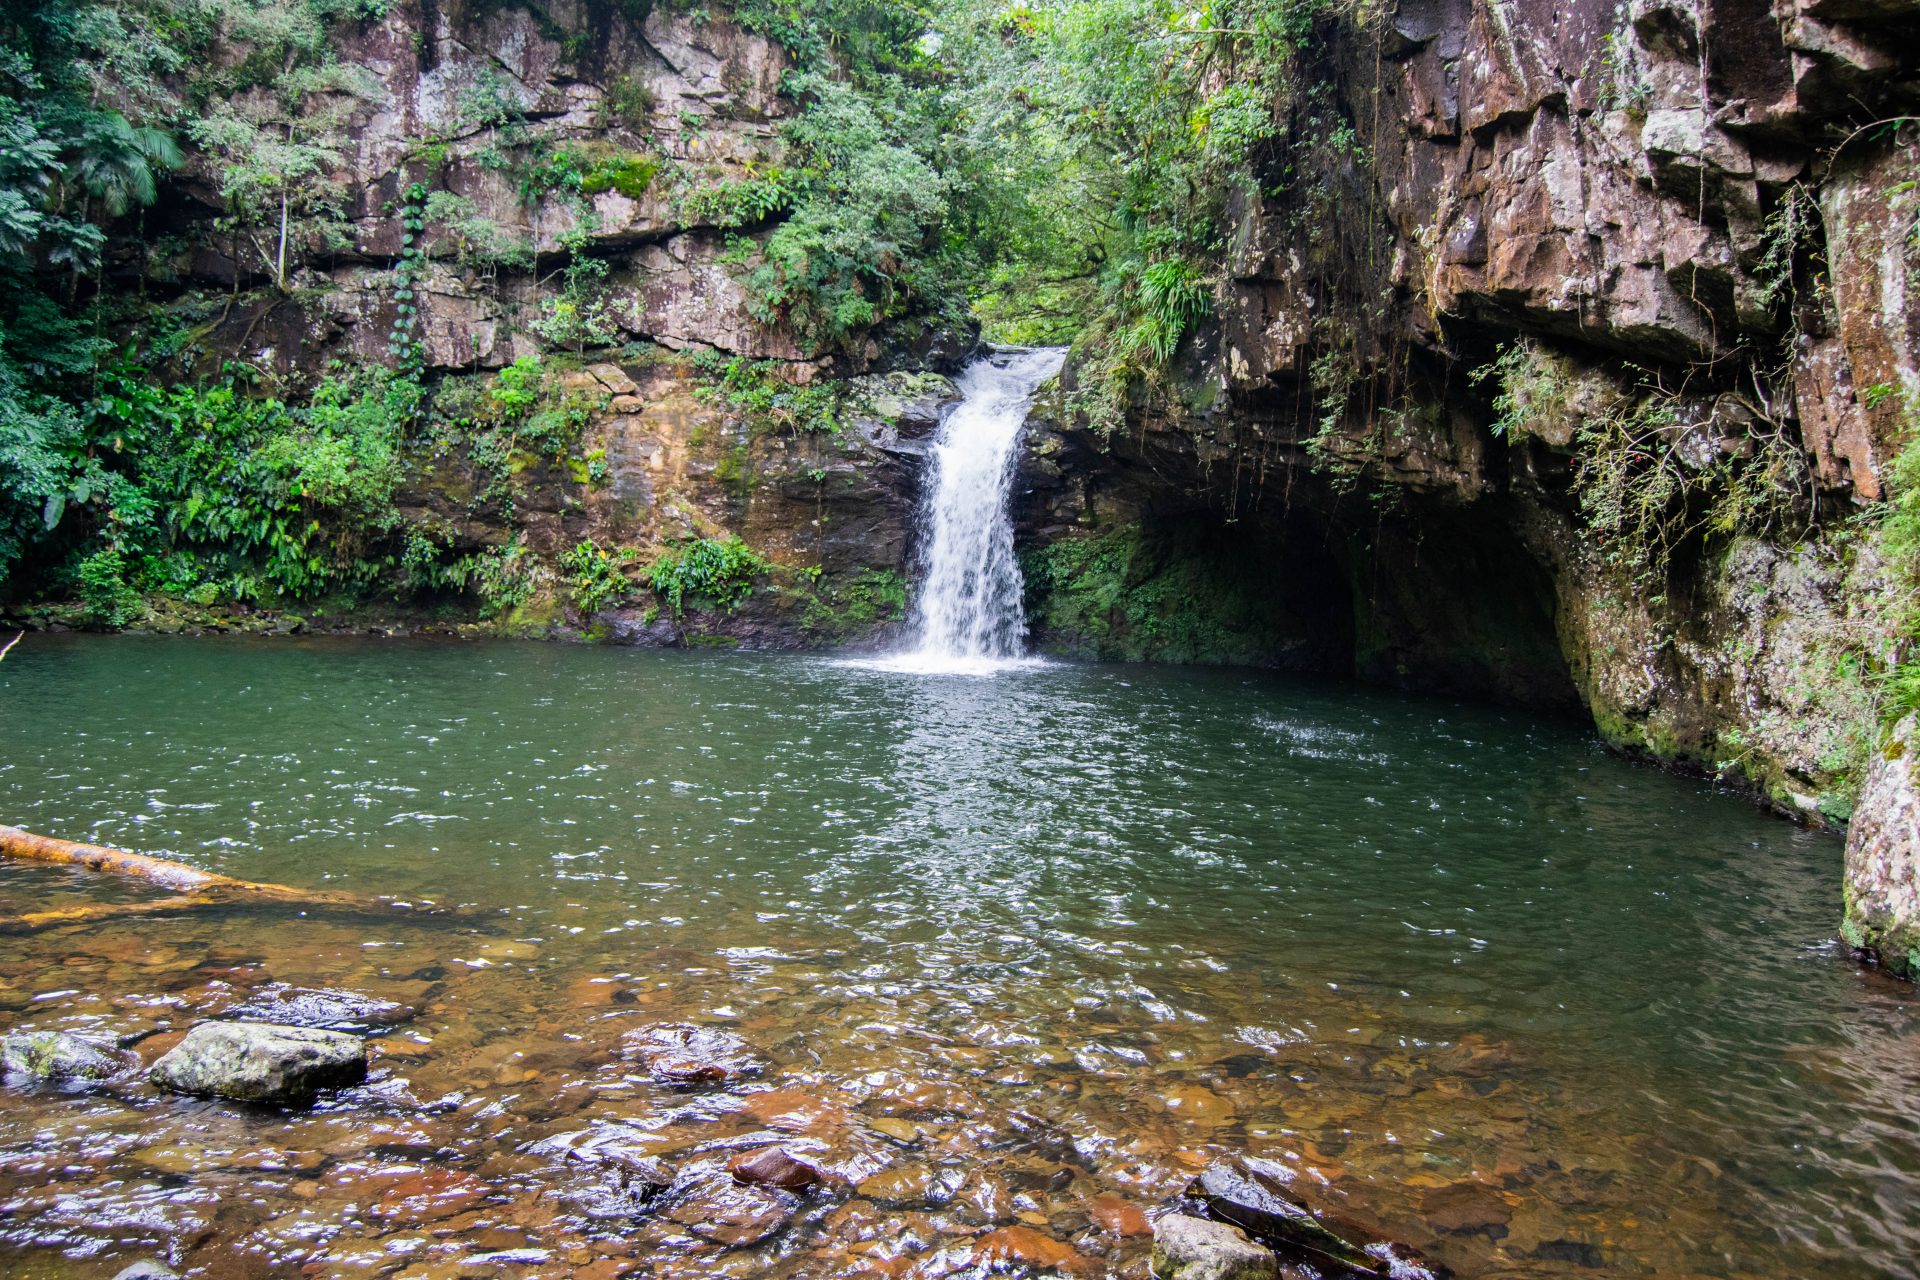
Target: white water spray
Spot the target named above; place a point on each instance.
(968, 615)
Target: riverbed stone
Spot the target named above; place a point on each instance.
(1251, 1195)
(261, 1062)
(683, 1053)
(321, 1008)
(1883, 857)
(1188, 1248)
(57, 1055)
(730, 1214)
(146, 1270)
(774, 1167)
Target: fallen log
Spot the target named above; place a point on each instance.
(192, 887)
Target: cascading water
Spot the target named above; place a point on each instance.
(968, 615)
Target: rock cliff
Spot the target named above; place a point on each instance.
(1521, 265)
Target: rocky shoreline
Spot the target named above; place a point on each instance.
(1239, 1219)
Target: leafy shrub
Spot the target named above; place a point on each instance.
(596, 579)
(721, 570)
(763, 392)
(102, 582)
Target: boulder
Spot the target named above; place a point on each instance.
(56, 1055)
(774, 1167)
(1251, 1197)
(681, 1053)
(1883, 858)
(1251, 1193)
(261, 1062)
(1186, 1248)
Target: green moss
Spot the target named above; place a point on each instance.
(630, 175)
(834, 610)
(1130, 595)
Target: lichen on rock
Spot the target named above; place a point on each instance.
(1883, 857)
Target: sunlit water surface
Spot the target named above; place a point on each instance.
(1024, 951)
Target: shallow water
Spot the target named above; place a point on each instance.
(1024, 952)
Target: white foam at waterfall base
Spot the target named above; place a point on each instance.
(968, 617)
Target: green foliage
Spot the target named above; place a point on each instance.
(718, 570)
(1649, 478)
(401, 344)
(763, 392)
(1531, 386)
(596, 579)
(630, 175)
(1898, 542)
(869, 597)
(102, 582)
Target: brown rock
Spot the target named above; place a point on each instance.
(733, 1215)
(1883, 857)
(1116, 1217)
(430, 1196)
(774, 1167)
(1028, 1247)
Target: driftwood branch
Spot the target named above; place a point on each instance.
(192, 887)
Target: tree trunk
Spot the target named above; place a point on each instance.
(191, 886)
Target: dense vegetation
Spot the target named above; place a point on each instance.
(1057, 171)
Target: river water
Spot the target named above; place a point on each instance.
(1023, 952)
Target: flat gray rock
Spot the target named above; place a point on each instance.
(1187, 1248)
(261, 1062)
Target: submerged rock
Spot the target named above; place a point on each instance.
(1187, 1248)
(774, 1167)
(728, 1213)
(56, 1055)
(682, 1053)
(146, 1270)
(320, 1008)
(1883, 857)
(1249, 1197)
(1251, 1194)
(260, 1062)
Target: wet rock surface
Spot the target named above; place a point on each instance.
(319, 1008)
(55, 1055)
(774, 1167)
(260, 1062)
(685, 1054)
(1189, 1248)
(1883, 855)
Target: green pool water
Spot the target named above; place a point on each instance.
(1535, 1009)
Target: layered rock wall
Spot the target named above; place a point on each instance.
(1690, 221)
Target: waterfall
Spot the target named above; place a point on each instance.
(968, 614)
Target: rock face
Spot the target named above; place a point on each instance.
(56, 1055)
(1883, 857)
(1593, 202)
(1187, 1248)
(662, 108)
(260, 1062)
